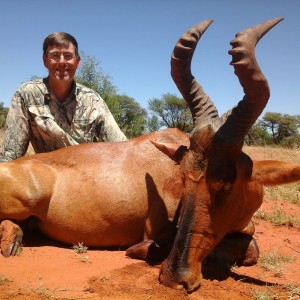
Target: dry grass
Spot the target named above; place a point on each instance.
(291, 293)
(278, 217)
(80, 249)
(272, 261)
(4, 279)
(273, 153)
(289, 192)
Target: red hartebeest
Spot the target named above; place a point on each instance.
(119, 194)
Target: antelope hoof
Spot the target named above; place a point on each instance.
(10, 238)
(140, 250)
(148, 250)
(252, 254)
(236, 248)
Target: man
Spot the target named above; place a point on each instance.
(56, 112)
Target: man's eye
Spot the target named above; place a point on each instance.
(56, 55)
(68, 56)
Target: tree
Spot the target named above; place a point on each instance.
(258, 136)
(129, 115)
(3, 114)
(275, 128)
(91, 75)
(153, 123)
(280, 126)
(171, 111)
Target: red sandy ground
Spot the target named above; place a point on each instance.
(46, 270)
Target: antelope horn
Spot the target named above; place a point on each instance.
(236, 123)
(197, 100)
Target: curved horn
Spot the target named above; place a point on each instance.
(198, 102)
(238, 122)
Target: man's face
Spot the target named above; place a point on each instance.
(61, 62)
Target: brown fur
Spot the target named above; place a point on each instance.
(67, 191)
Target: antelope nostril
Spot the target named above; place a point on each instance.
(191, 283)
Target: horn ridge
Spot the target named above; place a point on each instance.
(252, 80)
(202, 108)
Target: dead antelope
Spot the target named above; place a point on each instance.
(140, 191)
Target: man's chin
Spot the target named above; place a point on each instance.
(64, 78)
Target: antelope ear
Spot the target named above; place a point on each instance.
(174, 151)
(271, 173)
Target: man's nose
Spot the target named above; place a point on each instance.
(62, 58)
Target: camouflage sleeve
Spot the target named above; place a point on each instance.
(16, 136)
(111, 131)
(107, 129)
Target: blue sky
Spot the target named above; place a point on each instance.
(133, 41)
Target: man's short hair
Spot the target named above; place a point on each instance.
(60, 39)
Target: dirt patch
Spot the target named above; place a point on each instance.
(48, 270)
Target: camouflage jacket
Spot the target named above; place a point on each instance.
(36, 116)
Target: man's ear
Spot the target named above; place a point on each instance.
(78, 61)
(174, 151)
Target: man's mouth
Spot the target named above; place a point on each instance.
(62, 74)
